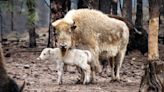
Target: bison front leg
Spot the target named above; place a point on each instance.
(119, 61)
(93, 72)
(60, 73)
(112, 64)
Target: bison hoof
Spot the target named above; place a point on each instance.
(86, 83)
(115, 80)
(78, 81)
(60, 83)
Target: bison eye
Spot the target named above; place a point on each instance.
(56, 33)
(73, 27)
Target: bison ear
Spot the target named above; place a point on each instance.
(73, 26)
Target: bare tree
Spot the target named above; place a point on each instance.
(153, 53)
(114, 7)
(12, 14)
(152, 81)
(105, 6)
(93, 4)
(108, 6)
(139, 15)
(58, 8)
(127, 9)
(31, 4)
(1, 25)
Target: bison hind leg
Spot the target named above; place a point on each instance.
(119, 60)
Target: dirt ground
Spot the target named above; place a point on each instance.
(41, 76)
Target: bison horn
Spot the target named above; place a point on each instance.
(69, 21)
(54, 24)
(135, 29)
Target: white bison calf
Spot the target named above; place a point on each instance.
(74, 57)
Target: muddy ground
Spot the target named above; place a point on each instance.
(41, 76)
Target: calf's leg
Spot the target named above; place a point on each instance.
(60, 73)
(81, 77)
(87, 72)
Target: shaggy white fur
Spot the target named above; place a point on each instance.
(74, 57)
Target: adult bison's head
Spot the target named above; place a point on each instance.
(64, 32)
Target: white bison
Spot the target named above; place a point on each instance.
(74, 57)
(95, 31)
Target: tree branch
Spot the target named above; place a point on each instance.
(47, 4)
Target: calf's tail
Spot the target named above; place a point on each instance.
(89, 56)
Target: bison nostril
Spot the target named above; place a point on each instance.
(63, 45)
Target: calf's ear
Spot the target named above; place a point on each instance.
(49, 51)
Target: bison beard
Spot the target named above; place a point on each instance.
(6, 83)
(96, 32)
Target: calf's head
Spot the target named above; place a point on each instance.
(64, 30)
(45, 54)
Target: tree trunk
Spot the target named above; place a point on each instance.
(50, 42)
(162, 9)
(127, 9)
(12, 14)
(108, 6)
(93, 4)
(105, 6)
(1, 26)
(31, 22)
(32, 37)
(50, 36)
(153, 79)
(139, 15)
(153, 53)
(114, 7)
(141, 39)
(58, 8)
